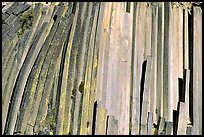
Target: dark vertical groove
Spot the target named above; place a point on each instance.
(74, 8)
(55, 18)
(128, 7)
(164, 130)
(181, 90)
(132, 65)
(190, 37)
(184, 84)
(144, 64)
(175, 119)
(158, 123)
(107, 125)
(94, 118)
(184, 38)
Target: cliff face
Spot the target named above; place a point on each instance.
(101, 68)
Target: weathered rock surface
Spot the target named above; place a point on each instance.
(98, 68)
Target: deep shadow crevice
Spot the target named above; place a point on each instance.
(144, 65)
(94, 118)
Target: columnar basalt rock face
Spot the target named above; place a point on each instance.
(94, 68)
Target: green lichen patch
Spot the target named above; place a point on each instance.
(20, 32)
(26, 19)
(52, 123)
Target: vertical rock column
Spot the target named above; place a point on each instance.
(197, 71)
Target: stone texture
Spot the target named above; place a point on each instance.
(78, 68)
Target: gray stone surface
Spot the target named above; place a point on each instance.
(112, 126)
(197, 71)
(169, 128)
(11, 19)
(149, 123)
(12, 7)
(7, 6)
(21, 8)
(4, 16)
